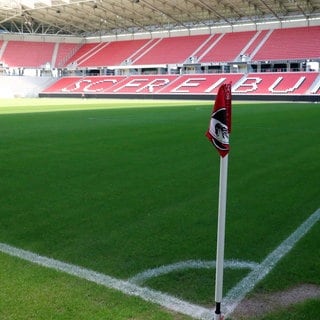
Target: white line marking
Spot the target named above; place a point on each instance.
(126, 287)
(140, 278)
(233, 298)
(237, 293)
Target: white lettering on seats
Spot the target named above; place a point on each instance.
(154, 84)
(277, 82)
(215, 85)
(76, 85)
(249, 84)
(88, 87)
(315, 88)
(134, 83)
(189, 83)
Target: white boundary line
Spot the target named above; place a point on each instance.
(238, 292)
(126, 287)
(231, 301)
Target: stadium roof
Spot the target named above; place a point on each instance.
(113, 17)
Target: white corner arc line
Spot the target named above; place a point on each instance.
(237, 293)
(165, 300)
(141, 277)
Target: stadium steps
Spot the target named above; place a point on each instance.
(253, 43)
(228, 48)
(115, 54)
(202, 47)
(315, 86)
(85, 51)
(65, 52)
(141, 51)
(90, 54)
(3, 48)
(172, 50)
(263, 41)
(55, 54)
(256, 44)
(213, 41)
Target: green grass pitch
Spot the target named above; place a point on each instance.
(122, 186)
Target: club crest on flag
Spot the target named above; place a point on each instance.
(220, 122)
(218, 130)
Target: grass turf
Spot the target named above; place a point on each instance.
(35, 293)
(121, 189)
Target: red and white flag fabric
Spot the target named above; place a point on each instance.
(220, 122)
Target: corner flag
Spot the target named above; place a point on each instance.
(218, 134)
(220, 122)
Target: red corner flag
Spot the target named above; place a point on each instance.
(220, 122)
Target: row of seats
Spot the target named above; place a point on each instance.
(295, 83)
(278, 44)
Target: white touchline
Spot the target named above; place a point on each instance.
(237, 293)
(233, 298)
(126, 287)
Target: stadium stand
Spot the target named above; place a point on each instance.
(28, 54)
(112, 54)
(291, 44)
(228, 47)
(206, 45)
(284, 83)
(165, 51)
(266, 45)
(82, 53)
(256, 43)
(142, 84)
(64, 51)
(248, 59)
(201, 84)
(276, 83)
(145, 48)
(279, 44)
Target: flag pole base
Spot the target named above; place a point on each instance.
(218, 316)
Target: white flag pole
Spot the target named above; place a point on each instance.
(221, 234)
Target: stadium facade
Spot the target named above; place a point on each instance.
(188, 46)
